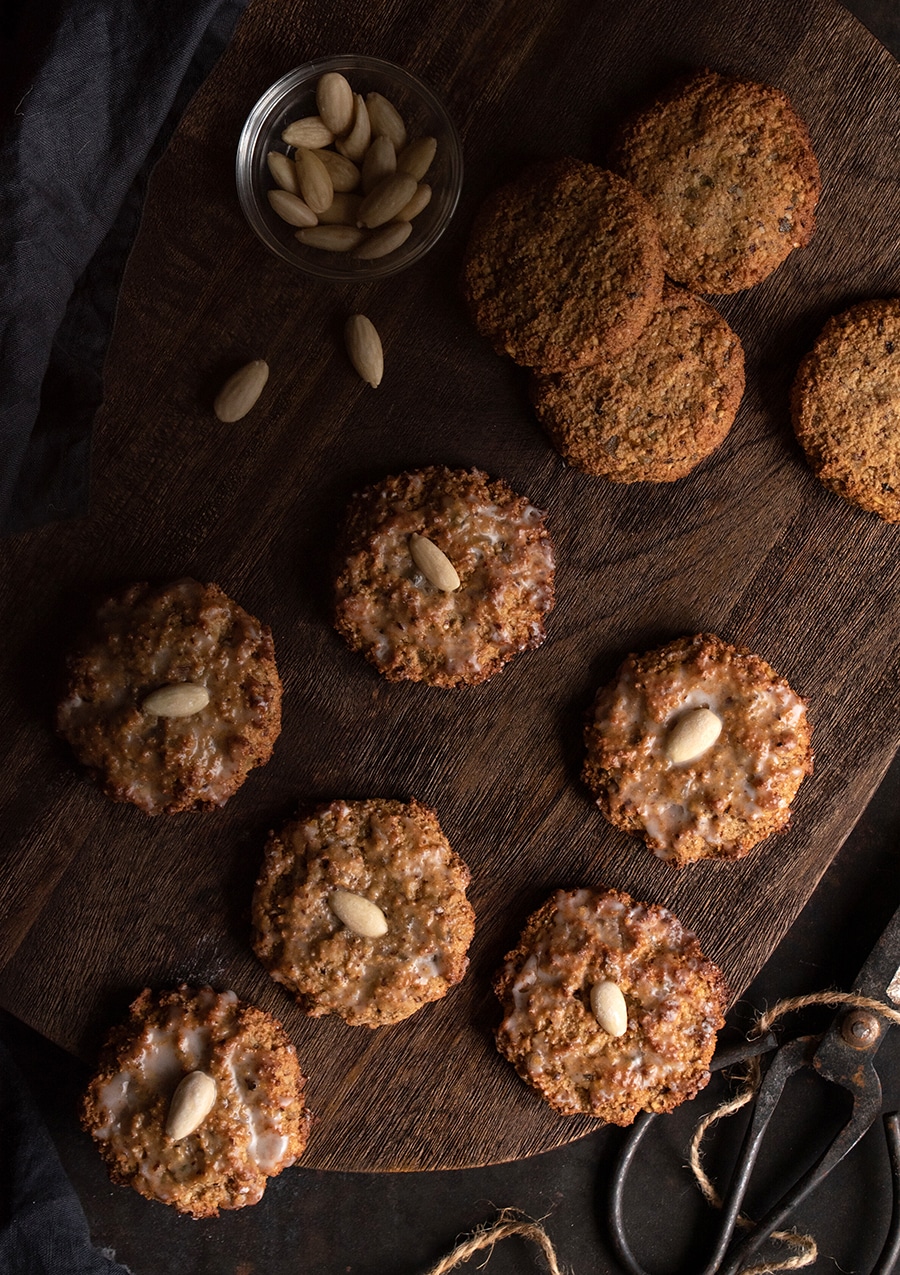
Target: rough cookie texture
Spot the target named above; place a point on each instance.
(258, 1124)
(410, 629)
(733, 795)
(149, 637)
(675, 999)
(845, 406)
(396, 856)
(654, 412)
(563, 266)
(728, 169)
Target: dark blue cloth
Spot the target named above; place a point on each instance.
(43, 1230)
(112, 78)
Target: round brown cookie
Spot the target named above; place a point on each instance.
(407, 626)
(658, 767)
(728, 168)
(361, 910)
(563, 266)
(674, 1001)
(256, 1123)
(845, 406)
(654, 412)
(185, 635)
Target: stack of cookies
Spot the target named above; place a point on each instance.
(589, 278)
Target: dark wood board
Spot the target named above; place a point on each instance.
(97, 900)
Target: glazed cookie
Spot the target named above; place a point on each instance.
(699, 747)
(197, 1101)
(563, 266)
(174, 698)
(727, 167)
(656, 411)
(609, 1006)
(846, 406)
(444, 576)
(361, 910)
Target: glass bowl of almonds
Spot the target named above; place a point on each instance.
(349, 168)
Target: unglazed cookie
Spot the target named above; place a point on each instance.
(392, 603)
(360, 910)
(173, 698)
(845, 406)
(609, 1006)
(728, 168)
(699, 747)
(252, 1122)
(654, 412)
(563, 266)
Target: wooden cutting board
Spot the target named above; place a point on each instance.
(97, 900)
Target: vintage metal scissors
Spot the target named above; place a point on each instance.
(844, 1055)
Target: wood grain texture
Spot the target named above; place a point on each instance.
(97, 900)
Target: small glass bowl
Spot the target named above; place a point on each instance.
(293, 96)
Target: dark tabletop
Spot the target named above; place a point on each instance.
(337, 1223)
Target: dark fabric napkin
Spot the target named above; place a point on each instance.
(95, 111)
(43, 1230)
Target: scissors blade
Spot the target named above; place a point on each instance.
(880, 976)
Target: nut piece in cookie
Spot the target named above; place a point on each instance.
(699, 747)
(197, 1101)
(563, 266)
(173, 698)
(727, 167)
(654, 412)
(444, 575)
(360, 910)
(845, 405)
(609, 1006)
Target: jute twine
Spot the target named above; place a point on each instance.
(513, 1222)
(509, 1222)
(751, 1080)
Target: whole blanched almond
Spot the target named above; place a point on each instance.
(291, 208)
(417, 157)
(334, 98)
(331, 238)
(284, 172)
(358, 913)
(386, 200)
(191, 1103)
(310, 132)
(178, 699)
(384, 240)
(343, 210)
(609, 1008)
(364, 348)
(316, 187)
(343, 172)
(241, 391)
(355, 144)
(421, 199)
(692, 735)
(433, 563)
(386, 119)
(380, 161)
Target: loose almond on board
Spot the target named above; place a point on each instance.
(241, 391)
(364, 348)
